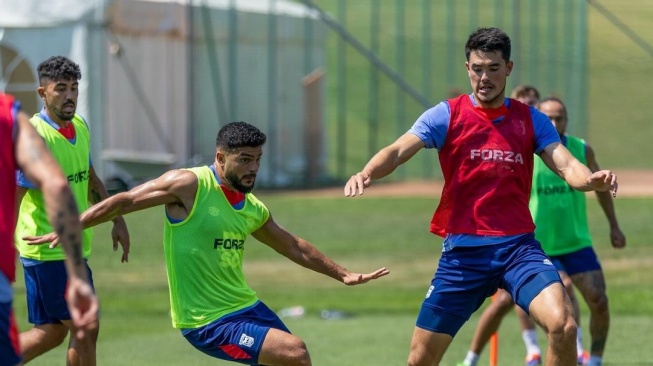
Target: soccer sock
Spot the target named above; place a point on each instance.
(471, 359)
(595, 361)
(530, 340)
(579, 342)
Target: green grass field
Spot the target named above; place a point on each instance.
(362, 234)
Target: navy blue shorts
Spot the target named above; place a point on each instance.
(581, 261)
(237, 337)
(9, 347)
(466, 276)
(45, 285)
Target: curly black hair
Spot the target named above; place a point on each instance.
(488, 40)
(239, 134)
(58, 68)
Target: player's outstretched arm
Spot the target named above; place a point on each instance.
(576, 174)
(305, 254)
(175, 186)
(384, 163)
(37, 163)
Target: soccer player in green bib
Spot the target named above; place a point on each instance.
(210, 212)
(67, 136)
(560, 215)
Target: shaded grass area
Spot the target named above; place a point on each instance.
(363, 234)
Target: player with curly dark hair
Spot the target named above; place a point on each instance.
(67, 136)
(210, 212)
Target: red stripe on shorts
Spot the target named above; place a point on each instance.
(13, 333)
(235, 352)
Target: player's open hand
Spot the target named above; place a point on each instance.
(51, 238)
(357, 184)
(358, 278)
(83, 306)
(604, 180)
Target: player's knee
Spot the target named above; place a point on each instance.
(299, 353)
(504, 302)
(598, 302)
(562, 328)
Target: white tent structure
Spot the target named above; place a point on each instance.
(160, 77)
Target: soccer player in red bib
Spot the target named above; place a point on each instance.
(485, 144)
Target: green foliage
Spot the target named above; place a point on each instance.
(363, 234)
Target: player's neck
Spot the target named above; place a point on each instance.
(498, 102)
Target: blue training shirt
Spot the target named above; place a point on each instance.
(432, 126)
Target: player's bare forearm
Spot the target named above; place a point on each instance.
(105, 210)
(298, 250)
(577, 175)
(607, 205)
(306, 255)
(97, 192)
(392, 156)
(383, 163)
(64, 217)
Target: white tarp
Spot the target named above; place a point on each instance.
(45, 13)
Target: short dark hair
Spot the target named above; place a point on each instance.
(58, 68)
(235, 135)
(488, 40)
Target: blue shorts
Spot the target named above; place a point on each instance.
(9, 347)
(466, 276)
(581, 261)
(45, 285)
(237, 337)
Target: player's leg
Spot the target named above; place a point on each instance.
(48, 332)
(585, 271)
(251, 336)
(81, 351)
(427, 347)
(9, 347)
(552, 310)
(41, 339)
(535, 285)
(283, 348)
(580, 351)
(488, 324)
(529, 336)
(451, 299)
(592, 286)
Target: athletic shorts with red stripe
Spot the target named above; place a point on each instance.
(237, 337)
(9, 347)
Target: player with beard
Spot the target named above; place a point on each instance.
(210, 211)
(67, 136)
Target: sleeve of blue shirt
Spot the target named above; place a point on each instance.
(545, 132)
(431, 127)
